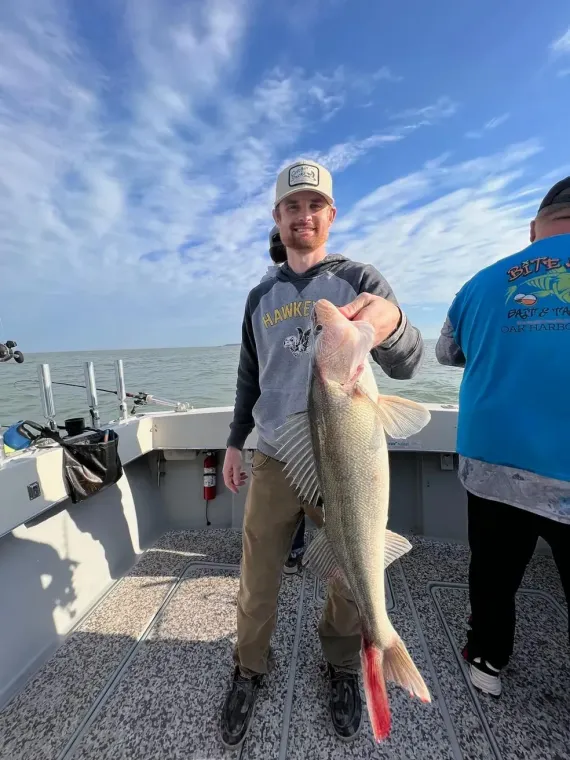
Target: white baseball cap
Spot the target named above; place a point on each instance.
(304, 175)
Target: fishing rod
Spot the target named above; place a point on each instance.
(101, 390)
(139, 399)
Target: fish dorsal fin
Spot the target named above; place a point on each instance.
(296, 450)
(321, 560)
(400, 417)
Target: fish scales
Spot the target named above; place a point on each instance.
(352, 465)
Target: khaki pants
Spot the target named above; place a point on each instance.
(272, 513)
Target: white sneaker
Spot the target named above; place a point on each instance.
(485, 677)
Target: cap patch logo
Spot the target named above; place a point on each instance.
(303, 174)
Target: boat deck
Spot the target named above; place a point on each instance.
(145, 674)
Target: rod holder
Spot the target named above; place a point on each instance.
(46, 391)
(92, 394)
(121, 390)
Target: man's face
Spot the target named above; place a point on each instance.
(550, 223)
(304, 220)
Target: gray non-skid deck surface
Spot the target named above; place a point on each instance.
(133, 684)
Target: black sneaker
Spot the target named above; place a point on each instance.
(345, 703)
(238, 709)
(293, 566)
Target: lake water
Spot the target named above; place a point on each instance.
(203, 377)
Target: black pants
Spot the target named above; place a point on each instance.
(299, 538)
(502, 540)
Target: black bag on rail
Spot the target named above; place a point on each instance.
(90, 463)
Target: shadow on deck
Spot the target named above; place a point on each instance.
(144, 676)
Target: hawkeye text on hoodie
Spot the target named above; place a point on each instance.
(273, 370)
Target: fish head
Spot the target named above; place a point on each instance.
(340, 345)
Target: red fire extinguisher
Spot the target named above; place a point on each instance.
(210, 462)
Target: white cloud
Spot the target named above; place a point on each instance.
(429, 231)
(342, 155)
(386, 74)
(147, 196)
(561, 44)
(300, 14)
(496, 121)
(83, 199)
(441, 109)
(175, 191)
(561, 47)
(488, 126)
(344, 86)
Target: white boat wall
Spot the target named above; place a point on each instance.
(118, 614)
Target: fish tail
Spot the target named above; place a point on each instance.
(400, 668)
(375, 689)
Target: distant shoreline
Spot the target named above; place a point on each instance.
(118, 351)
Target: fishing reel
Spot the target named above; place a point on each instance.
(139, 399)
(142, 399)
(7, 352)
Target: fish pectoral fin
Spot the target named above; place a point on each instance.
(400, 417)
(296, 450)
(321, 561)
(395, 547)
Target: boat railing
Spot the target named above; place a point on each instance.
(139, 399)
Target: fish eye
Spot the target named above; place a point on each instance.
(318, 329)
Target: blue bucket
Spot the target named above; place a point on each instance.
(16, 437)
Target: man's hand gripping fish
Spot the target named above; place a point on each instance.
(337, 450)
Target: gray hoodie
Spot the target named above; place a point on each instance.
(273, 370)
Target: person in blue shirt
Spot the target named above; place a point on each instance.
(509, 328)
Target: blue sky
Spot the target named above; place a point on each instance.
(140, 141)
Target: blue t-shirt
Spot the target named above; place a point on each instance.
(512, 323)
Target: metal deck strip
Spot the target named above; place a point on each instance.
(528, 591)
(453, 740)
(107, 690)
(432, 587)
(288, 706)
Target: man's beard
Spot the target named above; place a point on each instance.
(292, 240)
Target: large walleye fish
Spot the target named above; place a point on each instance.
(336, 451)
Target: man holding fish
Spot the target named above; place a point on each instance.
(305, 383)
(509, 327)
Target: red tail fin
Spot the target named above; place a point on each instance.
(375, 690)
